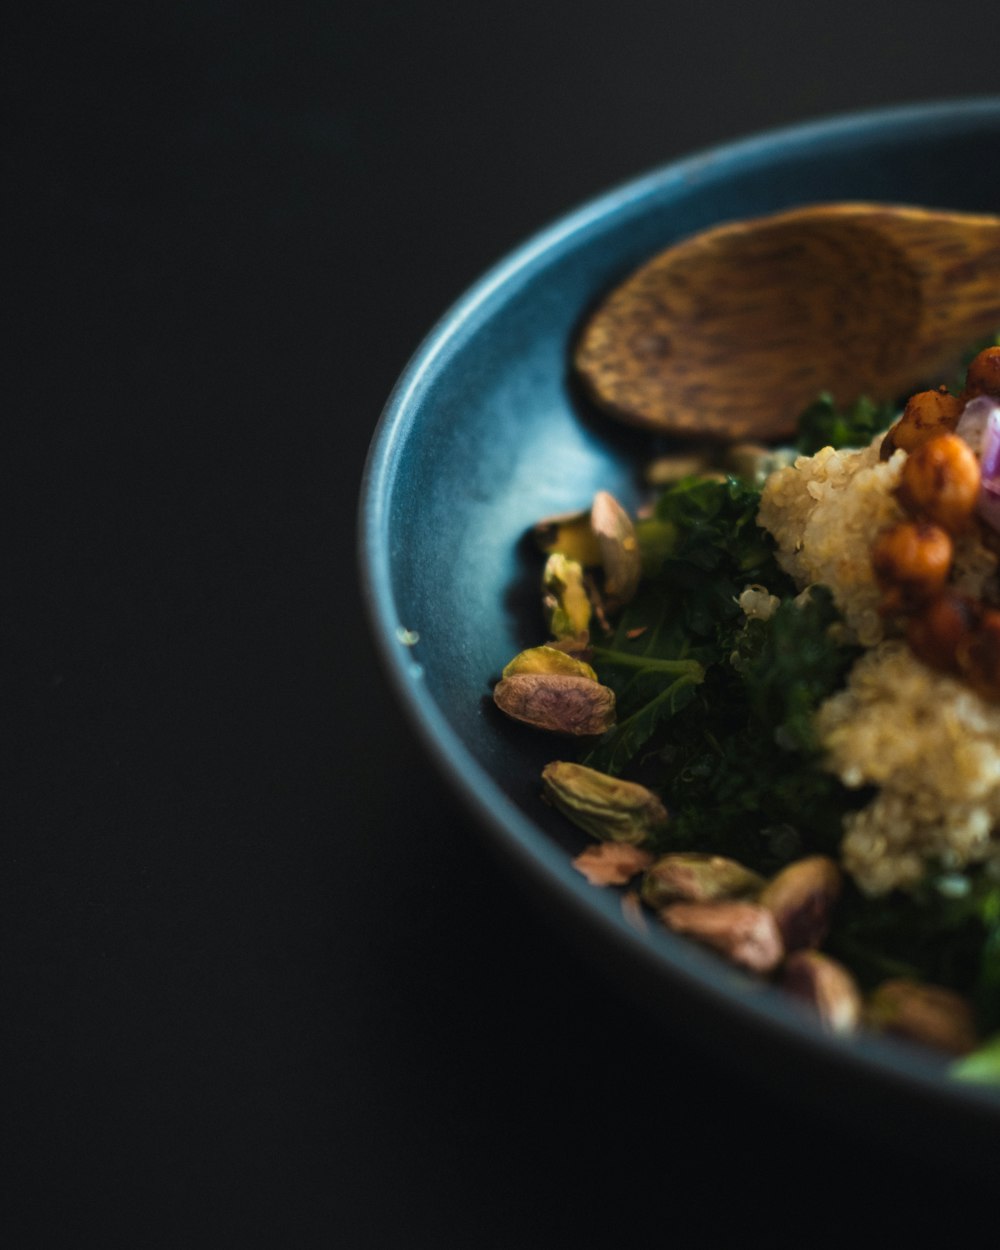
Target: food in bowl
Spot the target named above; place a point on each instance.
(784, 676)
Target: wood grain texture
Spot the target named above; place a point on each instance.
(731, 333)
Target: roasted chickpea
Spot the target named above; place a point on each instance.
(911, 563)
(940, 482)
(936, 632)
(983, 376)
(926, 415)
(978, 656)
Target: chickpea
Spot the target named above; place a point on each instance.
(983, 376)
(911, 563)
(926, 415)
(978, 656)
(940, 482)
(937, 631)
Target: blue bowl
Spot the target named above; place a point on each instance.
(485, 433)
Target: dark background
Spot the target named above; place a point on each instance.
(267, 983)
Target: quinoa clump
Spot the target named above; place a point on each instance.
(932, 746)
(824, 512)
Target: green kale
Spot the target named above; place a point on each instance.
(716, 527)
(823, 424)
(653, 665)
(716, 711)
(790, 664)
(982, 1067)
(946, 932)
(703, 549)
(741, 773)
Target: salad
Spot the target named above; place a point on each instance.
(781, 683)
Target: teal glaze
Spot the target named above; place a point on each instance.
(484, 434)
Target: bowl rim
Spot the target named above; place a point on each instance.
(662, 955)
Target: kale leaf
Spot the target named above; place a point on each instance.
(791, 663)
(741, 773)
(704, 547)
(946, 932)
(823, 424)
(715, 711)
(982, 1067)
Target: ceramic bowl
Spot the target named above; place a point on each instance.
(485, 433)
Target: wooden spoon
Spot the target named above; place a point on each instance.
(733, 332)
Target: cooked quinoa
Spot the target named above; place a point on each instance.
(824, 512)
(929, 743)
(932, 746)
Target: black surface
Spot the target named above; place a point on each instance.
(267, 984)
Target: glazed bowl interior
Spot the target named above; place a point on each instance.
(486, 433)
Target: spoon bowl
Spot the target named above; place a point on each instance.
(732, 332)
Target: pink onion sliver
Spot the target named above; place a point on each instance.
(989, 459)
(979, 426)
(988, 505)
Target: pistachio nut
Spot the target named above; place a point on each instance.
(666, 470)
(612, 863)
(570, 534)
(566, 603)
(827, 987)
(548, 660)
(632, 911)
(697, 878)
(745, 933)
(801, 897)
(619, 546)
(928, 1014)
(606, 807)
(754, 463)
(559, 702)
